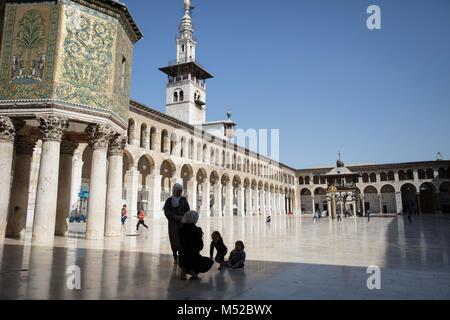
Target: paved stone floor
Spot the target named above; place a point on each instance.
(290, 258)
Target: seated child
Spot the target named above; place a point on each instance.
(217, 243)
(237, 256)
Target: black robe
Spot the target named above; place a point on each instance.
(174, 215)
(191, 245)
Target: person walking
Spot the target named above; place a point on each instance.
(141, 217)
(316, 216)
(175, 208)
(369, 214)
(124, 216)
(339, 218)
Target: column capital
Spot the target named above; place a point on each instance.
(25, 145)
(7, 129)
(117, 145)
(68, 147)
(99, 135)
(52, 127)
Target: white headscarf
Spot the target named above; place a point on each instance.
(176, 200)
(190, 217)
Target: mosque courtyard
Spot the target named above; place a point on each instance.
(289, 258)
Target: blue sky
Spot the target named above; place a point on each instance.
(312, 69)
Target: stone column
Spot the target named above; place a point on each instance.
(18, 207)
(263, 202)
(333, 206)
(52, 128)
(7, 136)
(99, 139)
(64, 187)
(399, 202)
(313, 202)
(192, 194)
(205, 209)
(113, 226)
(155, 194)
(228, 210)
(419, 207)
(77, 170)
(217, 207)
(145, 139)
(363, 209)
(380, 200)
(300, 204)
(255, 206)
(241, 201)
(248, 200)
(132, 177)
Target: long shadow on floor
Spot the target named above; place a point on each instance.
(37, 272)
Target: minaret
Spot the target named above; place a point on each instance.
(186, 88)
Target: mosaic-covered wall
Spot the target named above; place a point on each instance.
(65, 52)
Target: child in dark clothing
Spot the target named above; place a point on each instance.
(237, 256)
(217, 243)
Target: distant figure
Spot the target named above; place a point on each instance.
(316, 216)
(124, 215)
(408, 212)
(339, 218)
(191, 262)
(237, 256)
(174, 209)
(141, 217)
(217, 243)
(369, 214)
(268, 219)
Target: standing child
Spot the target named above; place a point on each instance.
(237, 256)
(217, 243)
(141, 217)
(124, 215)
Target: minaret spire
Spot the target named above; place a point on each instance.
(186, 26)
(186, 88)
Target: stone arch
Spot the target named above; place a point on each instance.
(430, 173)
(191, 149)
(165, 142)
(145, 168)
(442, 173)
(444, 197)
(409, 197)
(371, 199)
(167, 171)
(143, 143)
(131, 131)
(427, 198)
(173, 144)
(153, 143)
(306, 201)
(421, 174)
(183, 148)
(199, 152)
(388, 201)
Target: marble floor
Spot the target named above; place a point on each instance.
(290, 258)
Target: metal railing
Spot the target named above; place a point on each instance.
(184, 60)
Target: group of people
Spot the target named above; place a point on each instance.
(186, 239)
(318, 214)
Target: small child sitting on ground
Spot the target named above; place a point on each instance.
(237, 256)
(217, 243)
